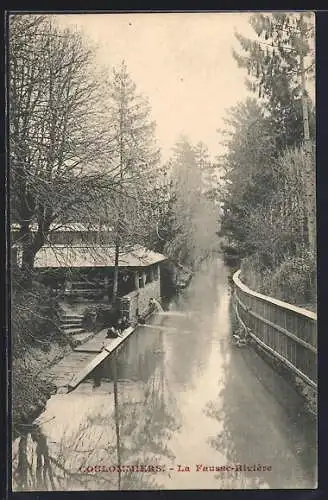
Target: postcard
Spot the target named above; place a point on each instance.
(163, 250)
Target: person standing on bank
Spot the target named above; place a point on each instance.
(155, 306)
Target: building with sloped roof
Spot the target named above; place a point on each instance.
(78, 263)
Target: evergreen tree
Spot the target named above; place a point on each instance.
(273, 63)
(209, 171)
(250, 169)
(135, 160)
(191, 218)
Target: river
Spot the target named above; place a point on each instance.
(177, 407)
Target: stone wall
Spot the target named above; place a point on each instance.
(139, 299)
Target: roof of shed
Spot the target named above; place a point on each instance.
(68, 227)
(55, 256)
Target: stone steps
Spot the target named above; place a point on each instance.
(71, 321)
(73, 330)
(72, 324)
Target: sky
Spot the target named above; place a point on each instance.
(181, 61)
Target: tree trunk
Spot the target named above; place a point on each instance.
(115, 283)
(30, 246)
(28, 258)
(311, 203)
(117, 421)
(309, 171)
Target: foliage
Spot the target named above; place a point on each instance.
(269, 191)
(292, 280)
(273, 63)
(30, 392)
(249, 164)
(282, 263)
(190, 223)
(134, 157)
(37, 341)
(266, 206)
(135, 160)
(209, 171)
(35, 319)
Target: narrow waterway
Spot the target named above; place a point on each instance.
(177, 403)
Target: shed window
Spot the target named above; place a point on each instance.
(141, 280)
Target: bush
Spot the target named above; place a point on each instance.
(293, 280)
(35, 318)
(30, 392)
(37, 339)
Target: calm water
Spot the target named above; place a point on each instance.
(178, 402)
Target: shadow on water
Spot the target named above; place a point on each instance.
(286, 440)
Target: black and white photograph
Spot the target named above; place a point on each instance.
(163, 261)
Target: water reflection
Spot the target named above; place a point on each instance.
(189, 347)
(174, 393)
(131, 423)
(278, 444)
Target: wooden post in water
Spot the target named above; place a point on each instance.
(162, 373)
(117, 422)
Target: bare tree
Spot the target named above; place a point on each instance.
(57, 133)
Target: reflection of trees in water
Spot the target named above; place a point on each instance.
(157, 419)
(147, 416)
(235, 437)
(146, 432)
(35, 468)
(135, 359)
(190, 347)
(245, 440)
(202, 295)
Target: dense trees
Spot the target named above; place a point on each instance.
(81, 150)
(274, 64)
(81, 147)
(249, 166)
(269, 189)
(191, 220)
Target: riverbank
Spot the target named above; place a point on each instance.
(292, 280)
(59, 368)
(32, 383)
(31, 388)
(307, 393)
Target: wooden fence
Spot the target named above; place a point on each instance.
(288, 332)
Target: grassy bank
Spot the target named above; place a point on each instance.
(31, 387)
(308, 394)
(37, 343)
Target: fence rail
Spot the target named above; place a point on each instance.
(288, 332)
